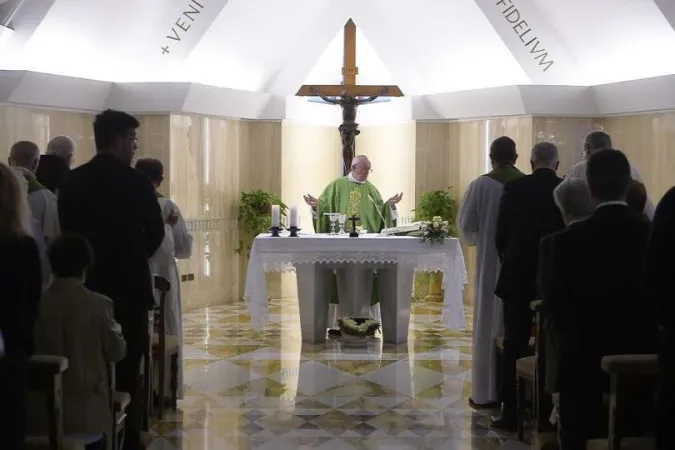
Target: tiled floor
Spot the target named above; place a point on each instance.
(248, 390)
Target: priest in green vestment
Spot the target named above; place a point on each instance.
(354, 195)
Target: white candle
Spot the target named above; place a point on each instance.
(294, 216)
(276, 215)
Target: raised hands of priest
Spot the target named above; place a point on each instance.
(172, 219)
(395, 199)
(311, 201)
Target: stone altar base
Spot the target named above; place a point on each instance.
(354, 290)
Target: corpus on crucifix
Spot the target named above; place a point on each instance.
(349, 96)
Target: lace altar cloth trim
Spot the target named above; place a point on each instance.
(284, 262)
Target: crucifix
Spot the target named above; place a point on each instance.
(349, 96)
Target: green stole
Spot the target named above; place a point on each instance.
(34, 185)
(159, 194)
(505, 174)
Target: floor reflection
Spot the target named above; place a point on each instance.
(268, 390)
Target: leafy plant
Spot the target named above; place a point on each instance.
(255, 214)
(439, 203)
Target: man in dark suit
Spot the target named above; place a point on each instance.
(597, 297)
(661, 283)
(116, 209)
(527, 212)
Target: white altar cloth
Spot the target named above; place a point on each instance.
(282, 254)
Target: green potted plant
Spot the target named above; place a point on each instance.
(255, 215)
(431, 204)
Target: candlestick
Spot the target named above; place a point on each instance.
(294, 231)
(293, 221)
(276, 215)
(274, 231)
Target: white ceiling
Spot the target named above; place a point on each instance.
(424, 46)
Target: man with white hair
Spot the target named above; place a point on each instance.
(354, 195)
(24, 157)
(56, 162)
(527, 213)
(595, 142)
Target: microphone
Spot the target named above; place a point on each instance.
(384, 222)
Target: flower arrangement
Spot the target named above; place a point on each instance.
(435, 230)
(358, 326)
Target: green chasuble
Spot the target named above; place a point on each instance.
(505, 174)
(354, 199)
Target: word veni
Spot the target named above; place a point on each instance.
(522, 29)
(182, 24)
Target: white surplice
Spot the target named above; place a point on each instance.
(578, 172)
(477, 223)
(177, 243)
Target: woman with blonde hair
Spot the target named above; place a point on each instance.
(21, 284)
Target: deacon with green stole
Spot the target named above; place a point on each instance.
(477, 223)
(354, 195)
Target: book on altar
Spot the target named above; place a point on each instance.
(411, 229)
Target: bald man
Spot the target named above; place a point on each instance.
(55, 163)
(24, 157)
(527, 213)
(595, 142)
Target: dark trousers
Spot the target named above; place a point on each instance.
(517, 333)
(128, 371)
(13, 396)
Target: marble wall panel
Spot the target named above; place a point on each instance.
(40, 125)
(648, 140)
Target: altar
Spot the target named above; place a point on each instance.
(316, 257)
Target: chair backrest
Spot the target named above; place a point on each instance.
(45, 374)
(163, 286)
(626, 373)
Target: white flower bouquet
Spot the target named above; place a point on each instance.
(435, 231)
(358, 326)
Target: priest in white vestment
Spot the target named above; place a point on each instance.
(24, 157)
(596, 141)
(477, 223)
(177, 243)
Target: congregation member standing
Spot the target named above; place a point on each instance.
(177, 244)
(115, 208)
(527, 212)
(55, 164)
(595, 142)
(477, 223)
(78, 324)
(24, 157)
(21, 284)
(661, 282)
(596, 292)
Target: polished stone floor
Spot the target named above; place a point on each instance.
(248, 390)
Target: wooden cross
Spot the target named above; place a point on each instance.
(353, 220)
(349, 96)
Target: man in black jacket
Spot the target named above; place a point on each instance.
(597, 298)
(116, 209)
(661, 282)
(527, 212)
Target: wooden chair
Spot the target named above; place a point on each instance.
(118, 405)
(530, 371)
(45, 375)
(164, 346)
(145, 381)
(626, 373)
